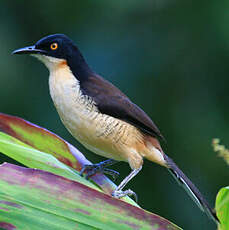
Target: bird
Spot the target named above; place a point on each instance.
(104, 119)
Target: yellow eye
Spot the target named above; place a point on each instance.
(54, 46)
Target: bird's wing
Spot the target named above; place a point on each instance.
(111, 101)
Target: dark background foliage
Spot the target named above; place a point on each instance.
(169, 56)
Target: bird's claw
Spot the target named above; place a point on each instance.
(120, 194)
(111, 172)
(97, 168)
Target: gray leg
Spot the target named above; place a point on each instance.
(100, 167)
(118, 193)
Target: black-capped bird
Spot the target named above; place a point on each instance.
(102, 118)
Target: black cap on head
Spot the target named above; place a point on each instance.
(60, 46)
(56, 45)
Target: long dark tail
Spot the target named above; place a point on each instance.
(191, 189)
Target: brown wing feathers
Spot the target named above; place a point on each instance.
(111, 101)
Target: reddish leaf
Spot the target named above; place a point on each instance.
(67, 202)
(48, 142)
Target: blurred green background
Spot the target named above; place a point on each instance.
(169, 56)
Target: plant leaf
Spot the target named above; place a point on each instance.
(48, 142)
(222, 208)
(40, 139)
(33, 158)
(47, 201)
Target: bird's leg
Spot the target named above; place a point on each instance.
(118, 193)
(100, 167)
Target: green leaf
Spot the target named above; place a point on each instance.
(35, 199)
(222, 208)
(64, 199)
(40, 139)
(48, 142)
(33, 158)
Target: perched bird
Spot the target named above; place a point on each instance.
(102, 118)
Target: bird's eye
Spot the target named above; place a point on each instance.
(54, 46)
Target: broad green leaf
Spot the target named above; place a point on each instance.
(33, 158)
(222, 208)
(39, 138)
(48, 142)
(35, 199)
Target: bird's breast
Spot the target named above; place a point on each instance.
(75, 109)
(101, 133)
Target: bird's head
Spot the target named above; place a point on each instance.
(53, 49)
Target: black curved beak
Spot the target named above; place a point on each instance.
(29, 50)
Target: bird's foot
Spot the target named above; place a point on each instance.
(92, 169)
(120, 194)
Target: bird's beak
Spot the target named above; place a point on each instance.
(29, 50)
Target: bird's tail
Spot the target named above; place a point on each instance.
(191, 189)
